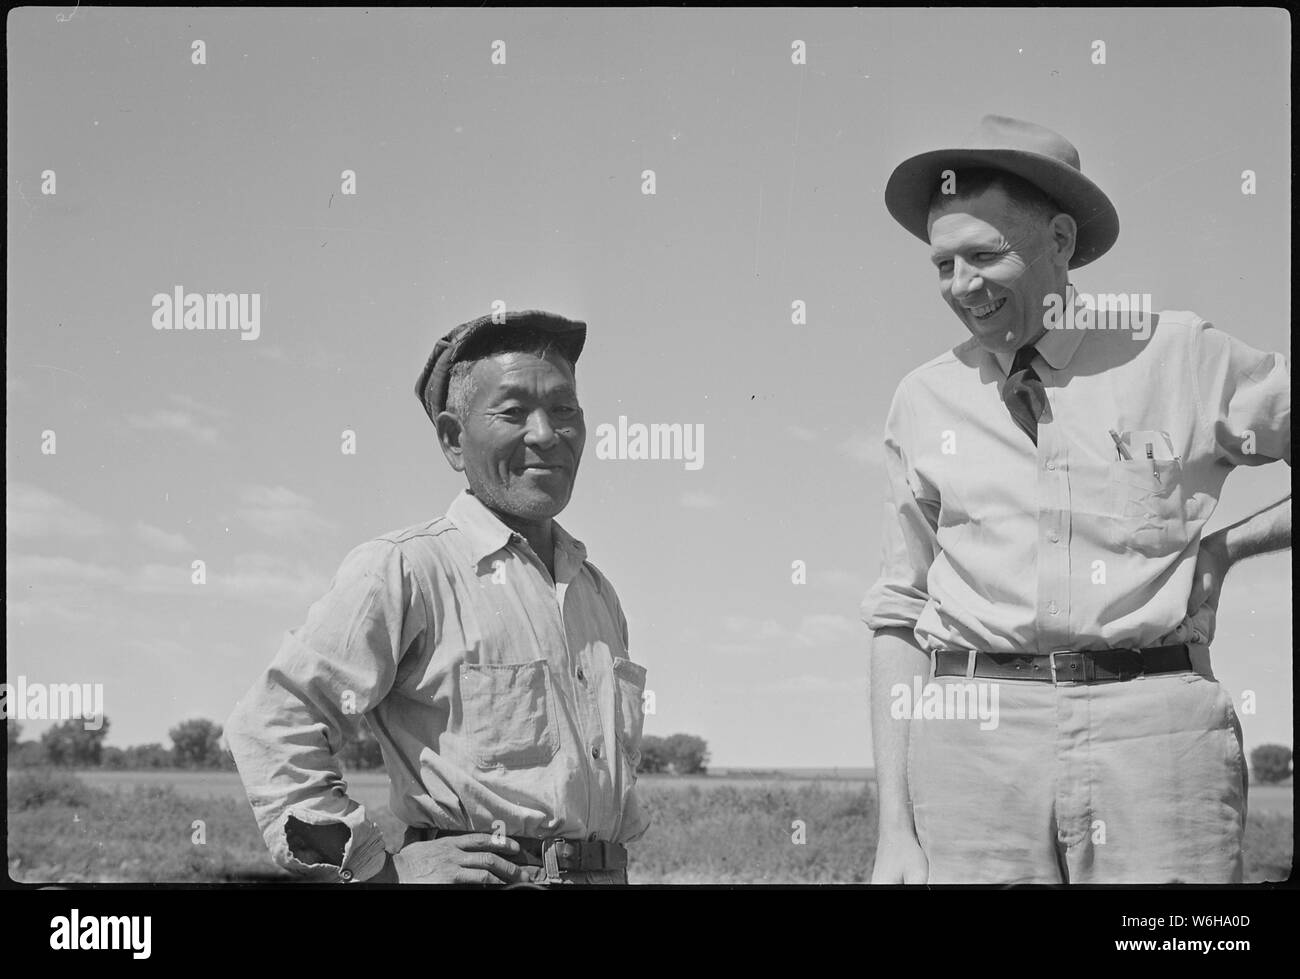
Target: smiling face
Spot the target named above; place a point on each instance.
(521, 436)
(996, 263)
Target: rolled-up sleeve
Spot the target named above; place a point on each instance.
(908, 535)
(286, 732)
(1245, 395)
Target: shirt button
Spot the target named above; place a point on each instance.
(595, 752)
(1051, 466)
(582, 676)
(1051, 607)
(1054, 537)
(345, 875)
(592, 837)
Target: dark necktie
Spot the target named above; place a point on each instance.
(1024, 394)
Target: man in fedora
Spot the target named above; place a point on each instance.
(487, 654)
(1049, 482)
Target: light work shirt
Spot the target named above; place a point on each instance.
(992, 543)
(502, 700)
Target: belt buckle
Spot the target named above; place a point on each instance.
(550, 859)
(1051, 659)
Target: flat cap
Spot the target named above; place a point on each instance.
(431, 388)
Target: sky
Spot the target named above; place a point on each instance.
(522, 183)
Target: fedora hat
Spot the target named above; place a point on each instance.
(1035, 153)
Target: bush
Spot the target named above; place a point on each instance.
(46, 787)
(654, 756)
(361, 752)
(687, 754)
(146, 756)
(143, 834)
(73, 744)
(196, 743)
(1271, 762)
(680, 754)
(113, 758)
(29, 754)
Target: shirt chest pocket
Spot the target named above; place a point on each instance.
(508, 714)
(1146, 508)
(629, 710)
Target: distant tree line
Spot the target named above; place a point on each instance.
(677, 754)
(197, 744)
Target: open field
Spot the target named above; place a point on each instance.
(139, 826)
(371, 788)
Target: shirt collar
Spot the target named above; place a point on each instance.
(1057, 347)
(487, 534)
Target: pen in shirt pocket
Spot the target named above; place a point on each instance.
(1151, 455)
(1120, 449)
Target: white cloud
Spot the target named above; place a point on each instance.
(161, 540)
(185, 402)
(33, 512)
(185, 416)
(851, 581)
(822, 631)
(259, 578)
(175, 420)
(749, 629)
(66, 588)
(867, 449)
(829, 630)
(273, 353)
(277, 511)
(41, 590)
(26, 569)
(17, 388)
(695, 500)
(810, 683)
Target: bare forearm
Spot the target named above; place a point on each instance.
(895, 658)
(1261, 533)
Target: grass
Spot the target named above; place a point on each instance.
(1269, 845)
(736, 834)
(63, 830)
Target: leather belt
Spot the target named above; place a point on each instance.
(1066, 666)
(553, 853)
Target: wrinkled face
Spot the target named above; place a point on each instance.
(996, 265)
(522, 435)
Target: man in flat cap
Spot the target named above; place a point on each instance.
(1043, 554)
(487, 654)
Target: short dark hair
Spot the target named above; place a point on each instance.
(524, 340)
(1026, 198)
